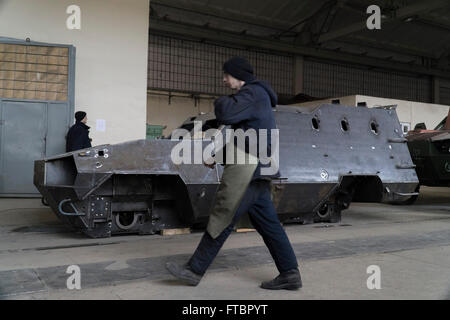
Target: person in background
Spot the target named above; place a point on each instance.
(78, 135)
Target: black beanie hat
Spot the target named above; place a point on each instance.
(79, 115)
(239, 68)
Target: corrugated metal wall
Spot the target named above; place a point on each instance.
(324, 79)
(444, 94)
(194, 66)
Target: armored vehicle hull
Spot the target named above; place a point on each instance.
(329, 155)
(430, 152)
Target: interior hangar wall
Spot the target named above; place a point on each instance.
(111, 57)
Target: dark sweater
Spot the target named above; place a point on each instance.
(78, 137)
(250, 108)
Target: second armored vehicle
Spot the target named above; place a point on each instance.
(430, 152)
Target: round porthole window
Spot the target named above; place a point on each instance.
(374, 127)
(315, 123)
(345, 125)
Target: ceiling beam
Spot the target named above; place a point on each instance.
(401, 13)
(387, 46)
(280, 8)
(222, 13)
(431, 22)
(304, 7)
(165, 27)
(329, 18)
(307, 24)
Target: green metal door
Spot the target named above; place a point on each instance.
(37, 85)
(22, 142)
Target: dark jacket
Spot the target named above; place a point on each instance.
(78, 137)
(250, 107)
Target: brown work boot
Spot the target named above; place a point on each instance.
(289, 280)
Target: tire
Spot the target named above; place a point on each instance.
(328, 213)
(44, 202)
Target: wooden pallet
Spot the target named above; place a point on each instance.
(171, 232)
(245, 230)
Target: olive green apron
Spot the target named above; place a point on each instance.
(234, 184)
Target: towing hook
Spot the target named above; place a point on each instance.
(61, 211)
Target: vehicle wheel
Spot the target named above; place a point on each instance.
(328, 213)
(44, 201)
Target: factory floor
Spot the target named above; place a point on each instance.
(409, 244)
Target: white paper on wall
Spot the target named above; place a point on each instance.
(101, 125)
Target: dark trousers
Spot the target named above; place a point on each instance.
(258, 203)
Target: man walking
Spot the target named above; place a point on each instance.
(250, 108)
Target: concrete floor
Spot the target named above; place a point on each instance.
(410, 244)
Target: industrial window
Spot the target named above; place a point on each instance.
(323, 79)
(194, 66)
(33, 72)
